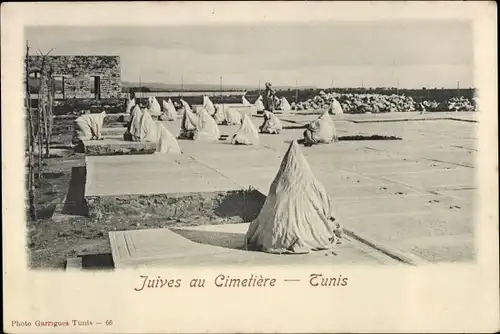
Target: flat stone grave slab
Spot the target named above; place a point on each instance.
(370, 188)
(436, 180)
(438, 153)
(395, 116)
(466, 195)
(221, 245)
(113, 132)
(401, 167)
(223, 148)
(423, 233)
(151, 174)
(117, 146)
(451, 248)
(405, 226)
(368, 207)
(246, 165)
(445, 128)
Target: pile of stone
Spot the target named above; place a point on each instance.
(358, 103)
(460, 104)
(379, 103)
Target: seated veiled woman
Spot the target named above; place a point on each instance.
(141, 127)
(169, 113)
(233, 117)
(271, 123)
(206, 128)
(89, 126)
(188, 125)
(259, 104)
(219, 115)
(166, 144)
(247, 134)
(321, 130)
(154, 107)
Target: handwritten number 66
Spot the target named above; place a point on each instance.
(109, 322)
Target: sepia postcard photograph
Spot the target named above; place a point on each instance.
(250, 167)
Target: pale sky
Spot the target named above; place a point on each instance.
(418, 53)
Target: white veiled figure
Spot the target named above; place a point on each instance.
(232, 116)
(297, 216)
(285, 106)
(336, 107)
(206, 128)
(188, 125)
(247, 133)
(89, 126)
(148, 128)
(130, 105)
(153, 106)
(208, 105)
(169, 113)
(186, 106)
(321, 130)
(259, 104)
(271, 124)
(219, 115)
(133, 132)
(244, 101)
(166, 144)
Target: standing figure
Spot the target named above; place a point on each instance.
(269, 97)
(130, 103)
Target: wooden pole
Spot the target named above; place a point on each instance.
(220, 90)
(40, 120)
(43, 131)
(296, 92)
(31, 142)
(49, 111)
(182, 86)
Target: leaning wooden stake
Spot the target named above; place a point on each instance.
(31, 143)
(40, 121)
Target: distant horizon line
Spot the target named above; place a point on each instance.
(178, 87)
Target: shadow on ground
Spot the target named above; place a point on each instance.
(75, 198)
(98, 261)
(370, 137)
(214, 238)
(245, 204)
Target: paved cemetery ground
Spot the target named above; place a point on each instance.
(416, 193)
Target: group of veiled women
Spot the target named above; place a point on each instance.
(201, 124)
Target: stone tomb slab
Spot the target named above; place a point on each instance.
(151, 174)
(448, 179)
(248, 166)
(113, 132)
(450, 248)
(368, 207)
(117, 146)
(221, 245)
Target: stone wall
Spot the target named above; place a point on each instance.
(79, 73)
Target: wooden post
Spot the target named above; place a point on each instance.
(49, 111)
(31, 142)
(296, 92)
(43, 131)
(220, 90)
(40, 121)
